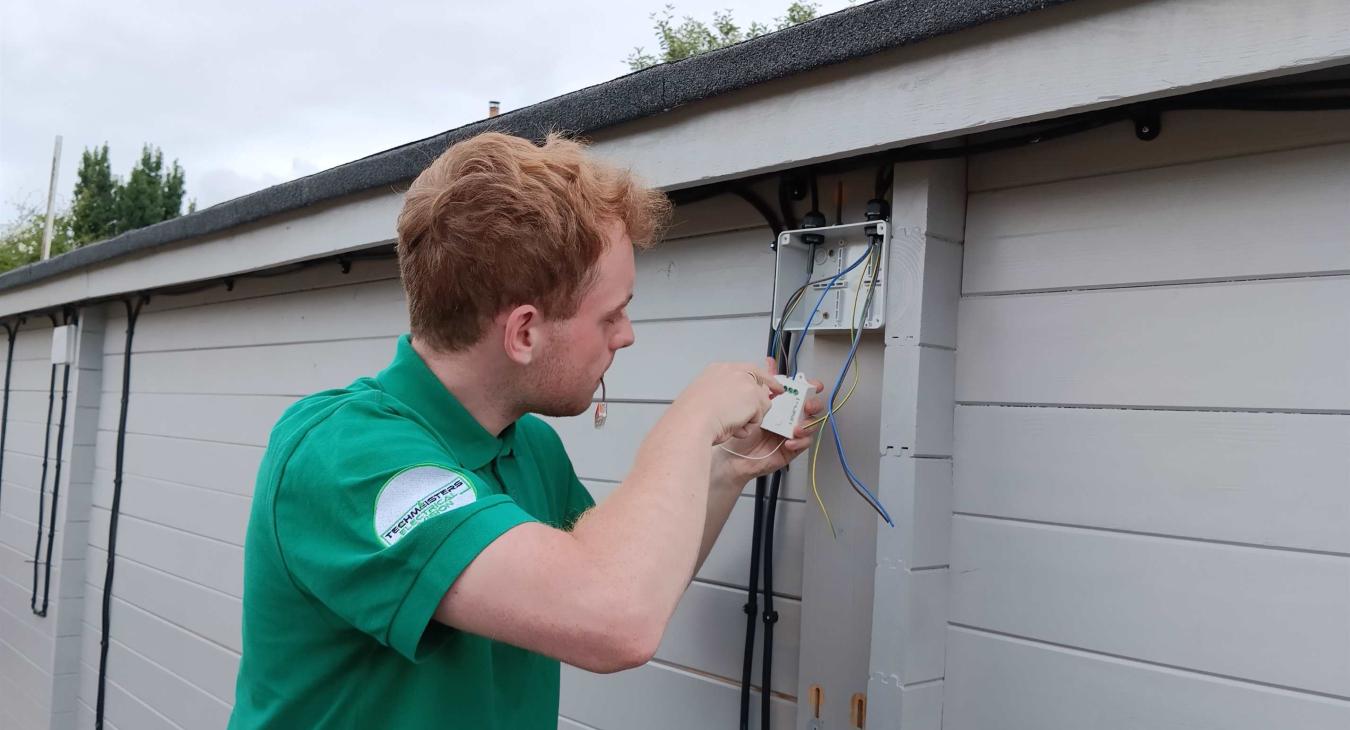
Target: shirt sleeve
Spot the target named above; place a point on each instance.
(576, 498)
(579, 500)
(375, 521)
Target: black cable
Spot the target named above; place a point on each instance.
(42, 485)
(13, 333)
(752, 602)
(839, 204)
(770, 616)
(761, 549)
(757, 538)
(132, 313)
(785, 207)
(885, 172)
(774, 222)
(56, 487)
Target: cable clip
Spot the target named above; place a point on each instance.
(1147, 123)
(770, 617)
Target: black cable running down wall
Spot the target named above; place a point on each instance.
(13, 333)
(133, 311)
(752, 602)
(770, 616)
(42, 482)
(56, 490)
(761, 554)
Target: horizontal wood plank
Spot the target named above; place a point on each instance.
(729, 561)
(1268, 345)
(159, 687)
(198, 660)
(1270, 616)
(1262, 478)
(707, 634)
(659, 697)
(1187, 136)
(1280, 214)
(216, 565)
(996, 681)
(223, 467)
(192, 606)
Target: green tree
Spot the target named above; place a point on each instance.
(104, 206)
(140, 200)
(173, 194)
(21, 240)
(94, 210)
(690, 37)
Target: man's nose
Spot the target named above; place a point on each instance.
(626, 337)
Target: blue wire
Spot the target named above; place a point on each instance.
(811, 317)
(838, 385)
(834, 428)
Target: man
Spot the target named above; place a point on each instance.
(420, 553)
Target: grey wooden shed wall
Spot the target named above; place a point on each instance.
(38, 656)
(1152, 481)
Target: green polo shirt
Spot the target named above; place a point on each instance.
(370, 501)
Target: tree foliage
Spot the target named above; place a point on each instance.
(151, 194)
(105, 206)
(102, 206)
(94, 211)
(21, 240)
(689, 37)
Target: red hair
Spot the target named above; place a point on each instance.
(497, 221)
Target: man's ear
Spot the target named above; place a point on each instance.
(522, 333)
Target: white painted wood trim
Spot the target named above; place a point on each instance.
(909, 610)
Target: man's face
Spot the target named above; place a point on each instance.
(581, 348)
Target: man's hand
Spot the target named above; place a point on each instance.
(730, 398)
(760, 442)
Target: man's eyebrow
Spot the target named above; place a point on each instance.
(621, 306)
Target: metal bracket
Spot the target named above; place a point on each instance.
(1147, 123)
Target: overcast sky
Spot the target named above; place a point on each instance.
(248, 93)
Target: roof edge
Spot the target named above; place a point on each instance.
(842, 36)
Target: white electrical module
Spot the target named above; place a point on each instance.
(785, 410)
(63, 345)
(816, 257)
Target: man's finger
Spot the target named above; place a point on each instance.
(771, 381)
(804, 431)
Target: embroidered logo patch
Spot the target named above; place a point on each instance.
(417, 494)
